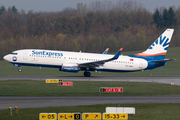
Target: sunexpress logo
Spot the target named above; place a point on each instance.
(57, 54)
(161, 41)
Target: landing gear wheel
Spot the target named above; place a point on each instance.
(87, 74)
(84, 73)
(20, 70)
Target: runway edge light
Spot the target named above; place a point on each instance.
(16, 108)
(10, 109)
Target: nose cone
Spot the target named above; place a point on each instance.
(6, 57)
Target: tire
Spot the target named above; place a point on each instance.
(87, 74)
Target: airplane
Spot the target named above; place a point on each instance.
(105, 52)
(68, 61)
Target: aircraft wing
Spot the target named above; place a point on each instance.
(101, 62)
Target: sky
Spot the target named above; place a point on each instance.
(58, 5)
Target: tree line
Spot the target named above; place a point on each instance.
(165, 19)
(88, 28)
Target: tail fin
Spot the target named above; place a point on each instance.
(158, 49)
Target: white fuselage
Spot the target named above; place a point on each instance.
(51, 58)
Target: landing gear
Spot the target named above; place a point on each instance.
(87, 74)
(20, 69)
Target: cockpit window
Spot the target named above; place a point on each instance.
(14, 53)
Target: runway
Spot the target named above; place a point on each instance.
(46, 101)
(158, 79)
(34, 102)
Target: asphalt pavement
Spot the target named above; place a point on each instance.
(46, 101)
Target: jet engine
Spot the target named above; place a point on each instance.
(69, 67)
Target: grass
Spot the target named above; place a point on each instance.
(83, 88)
(143, 111)
(172, 68)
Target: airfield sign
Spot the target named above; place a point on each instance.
(47, 116)
(65, 83)
(91, 116)
(114, 89)
(118, 116)
(69, 116)
(53, 80)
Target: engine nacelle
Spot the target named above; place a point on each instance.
(70, 67)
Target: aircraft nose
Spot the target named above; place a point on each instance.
(6, 57)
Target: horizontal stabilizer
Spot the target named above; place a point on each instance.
(165, 60)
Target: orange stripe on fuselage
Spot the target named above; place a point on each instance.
(144, 54)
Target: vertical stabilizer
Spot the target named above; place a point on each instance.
(159, 48)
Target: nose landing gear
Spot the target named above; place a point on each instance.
(20, 70)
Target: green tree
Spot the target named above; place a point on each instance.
(172, 18)
(116, 21)
(14, 10)
(75, 45)
(165, 18)
(141, 38)
(2, 9)
(157, 19)
(89, 19)
(177, 13)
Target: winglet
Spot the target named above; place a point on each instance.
(106, 51)
(117, 54)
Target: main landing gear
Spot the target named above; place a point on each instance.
(87, 74)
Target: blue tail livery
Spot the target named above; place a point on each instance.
(155, 54)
